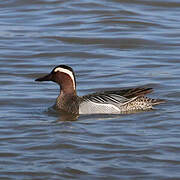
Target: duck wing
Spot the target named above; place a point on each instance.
(131, 92)
(117, 96)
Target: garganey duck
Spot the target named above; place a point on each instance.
(105, 102)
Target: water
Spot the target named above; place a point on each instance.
(109, 44)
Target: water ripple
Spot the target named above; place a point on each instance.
(109, 44)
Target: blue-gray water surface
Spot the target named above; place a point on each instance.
(109, 44)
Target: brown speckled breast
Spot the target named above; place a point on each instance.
(68, 103)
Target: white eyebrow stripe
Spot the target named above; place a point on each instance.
(66, 71)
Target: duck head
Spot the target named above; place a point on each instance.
(62, 75)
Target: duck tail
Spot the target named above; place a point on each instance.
(156, 101)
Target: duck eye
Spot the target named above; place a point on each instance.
(53, 72)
